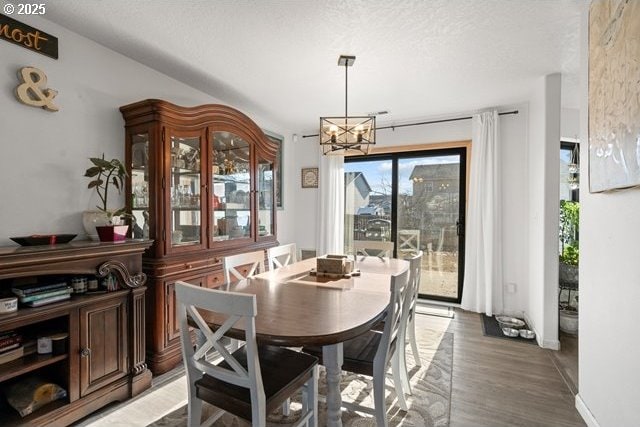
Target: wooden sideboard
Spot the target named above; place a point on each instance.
(105, 350)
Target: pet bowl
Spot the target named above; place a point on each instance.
(510, 332)
(509, 322)
(528, 334)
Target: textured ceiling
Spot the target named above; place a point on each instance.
(415, 58)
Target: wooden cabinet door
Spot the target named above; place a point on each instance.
(103, 344)
(173, 327)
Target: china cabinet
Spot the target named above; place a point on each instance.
(201, 186)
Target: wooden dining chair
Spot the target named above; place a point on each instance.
(409, 318)
(373, 248)
(252, 381)
(371, 352)
(282, 255)
(253, 260)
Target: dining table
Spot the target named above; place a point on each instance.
(297, 308)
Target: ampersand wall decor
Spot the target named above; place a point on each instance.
(33, 90)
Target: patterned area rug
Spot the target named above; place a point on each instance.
(428, 406)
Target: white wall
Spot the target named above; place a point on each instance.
(45, 154)
(609, 349)
(570, 123)
(514, 136)
(544, 146)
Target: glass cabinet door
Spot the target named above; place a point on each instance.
(185, 195)
(265, 197)
(140, 184)
(231, 184)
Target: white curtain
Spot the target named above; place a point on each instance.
(330, 231)
(483, 245)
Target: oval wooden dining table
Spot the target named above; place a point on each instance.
(298, 309)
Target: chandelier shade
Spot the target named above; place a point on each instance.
(347, 134)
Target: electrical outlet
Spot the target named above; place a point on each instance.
(511, 288)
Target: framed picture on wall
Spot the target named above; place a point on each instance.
(614, 110)
(309, 177)
(279, 141)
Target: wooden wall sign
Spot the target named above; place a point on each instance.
(28, 37)
(33, 90)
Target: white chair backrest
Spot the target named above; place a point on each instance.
(393, 319)
(367, 248)
(254, 259)
(236, 306)
(413, 288)
(282, 255)
(408, 241)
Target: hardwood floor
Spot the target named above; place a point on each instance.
(497, 382)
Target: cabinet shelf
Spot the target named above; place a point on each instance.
(182, 171)
(229, 179)
(27, 364)
(185, 208)
(232, 206)
(11, 417)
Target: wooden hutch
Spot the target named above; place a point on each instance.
(103, 361)
(201, 185)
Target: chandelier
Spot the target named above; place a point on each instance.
(348, 134)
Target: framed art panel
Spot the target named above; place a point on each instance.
(279, 141)
(614, 95)
(309, 177)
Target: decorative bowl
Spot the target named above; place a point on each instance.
(510, 332)
(43, 239)
(509, 322)
(528, 334)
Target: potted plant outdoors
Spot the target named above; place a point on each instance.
(107, 222)
(569, 241)
(569, 260)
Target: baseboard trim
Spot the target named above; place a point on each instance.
(550, 344)
(585, 413)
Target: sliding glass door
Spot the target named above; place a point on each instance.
(416, 200)
(368, 200)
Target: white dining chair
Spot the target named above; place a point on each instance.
(409, 318)
(282, 255)
(373, 248)
(250, 382)
(370, 353)
(230, 264)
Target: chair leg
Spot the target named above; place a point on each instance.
(402, 355)
(397, 379)
(194, 407)
(286, 408)
(412, 339)
(312, 398)
(378, 399)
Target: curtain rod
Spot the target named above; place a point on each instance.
(393, 127)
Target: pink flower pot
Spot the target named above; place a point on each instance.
(112, 233)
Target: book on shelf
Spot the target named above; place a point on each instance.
(48, 300)
(14, 354)
(46, 294)
(9, 347)
(25, 290)
(9, 339)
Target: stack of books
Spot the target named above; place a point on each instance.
(35, 295)
(10, 346)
